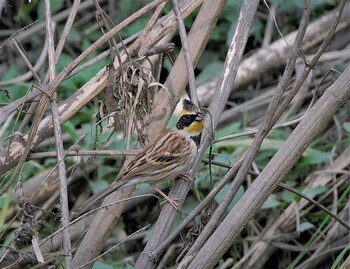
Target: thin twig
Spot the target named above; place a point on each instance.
(312, 201)
(269, 27)
(233, 224)
(112, 153)
(252, 132)
(121, 153)
(52, 87)
(27, 117)
(115, 246)
(176, 82)
(272, 13)
(59, 144)
(26, 60)
(103, 21)
(229, 175)
(253, 149)
(72, 149)
(277, 126)
(29, 74)
(186, 51)
(94, 211)
(150, 24)
(6, 125)
(310, 65)
(63, 36)
(101, 56)
(214, 219)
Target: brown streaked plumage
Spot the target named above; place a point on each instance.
(166, 157)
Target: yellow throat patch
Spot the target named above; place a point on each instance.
(195, 128)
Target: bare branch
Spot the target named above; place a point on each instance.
(59, 144)
(186, 52)
(312, 124)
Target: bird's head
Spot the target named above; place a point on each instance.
(191, 119)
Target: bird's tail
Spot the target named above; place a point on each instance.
(98, 196)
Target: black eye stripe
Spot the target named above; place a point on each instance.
(186, 120)
(189, 118)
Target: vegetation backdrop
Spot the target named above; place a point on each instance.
(85, 84)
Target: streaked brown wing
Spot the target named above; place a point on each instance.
(161, 157)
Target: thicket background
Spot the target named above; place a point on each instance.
(93, 81)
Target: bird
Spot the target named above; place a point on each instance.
(166, 157)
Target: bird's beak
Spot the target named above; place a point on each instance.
(199, 117)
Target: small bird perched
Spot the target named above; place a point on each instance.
(167, 157)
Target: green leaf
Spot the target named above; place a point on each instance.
(4, 205)
(207, 57)
(257, 29)
(69, 127)
(271, 202)
(279, 134)
(210, 71)
(13, 91)
(88, 137)
(98, 185)
(346, 126)
(30, 168)
(188, 206)
(245, 142)
(219, 198)
(101, 265)
(339, 260)
(74, 36)
(229, 130)
(27, 8)
(54, 7)
(288, 196)
(217, 33)
(63, 61)
(134, 27)
(305, 226)
(7, 241)
(86, 44)
(314, 191)
(105, 172)
(313, 156)
(172, 121)
(231, 10)
(127, 7)
(341, 68)
(226, 158)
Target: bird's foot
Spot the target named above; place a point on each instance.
(171, 201)
(186, 176)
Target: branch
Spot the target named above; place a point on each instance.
(180, 190)
(311, 126)
(49, 89)
(186, 52)
(274, 56)
(98, 231)
(59, 144)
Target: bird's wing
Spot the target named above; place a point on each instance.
(161, 156)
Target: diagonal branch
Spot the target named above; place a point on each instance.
(311, 125)
(58, 140)
(180, 190)
(186, 52)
